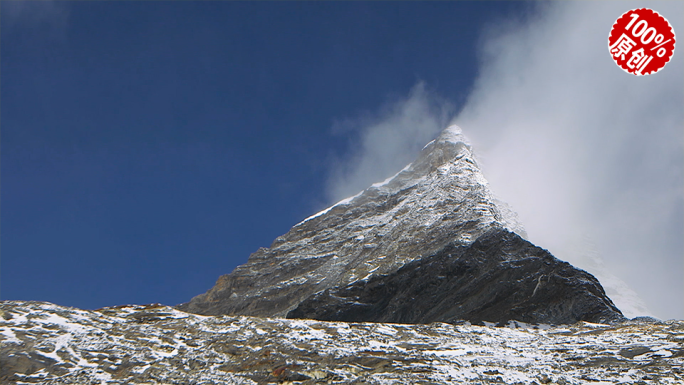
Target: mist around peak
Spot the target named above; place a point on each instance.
(578, 148)
(387, 141)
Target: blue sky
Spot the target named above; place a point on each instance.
(149, 147)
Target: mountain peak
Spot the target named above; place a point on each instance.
(439, 202)
(452, 134)
(450, 150)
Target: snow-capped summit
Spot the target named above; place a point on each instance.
(453, 134)
(439, 202)
(445, 165)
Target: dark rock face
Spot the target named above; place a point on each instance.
(500, 277)
(437, 206)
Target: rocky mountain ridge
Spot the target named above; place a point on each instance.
(437, 205)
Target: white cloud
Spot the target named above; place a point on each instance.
(592, 158)
(582, 149)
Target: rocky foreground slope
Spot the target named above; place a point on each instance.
(42, 343)
(361, 259)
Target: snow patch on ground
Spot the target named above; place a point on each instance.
(95, 343)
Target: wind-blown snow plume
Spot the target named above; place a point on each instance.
(388, 141)
(579, 148)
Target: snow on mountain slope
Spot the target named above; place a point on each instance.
(453, 135)
(440, 198)
(49, 344)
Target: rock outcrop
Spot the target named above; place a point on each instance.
(435, 215)
(500, 277)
